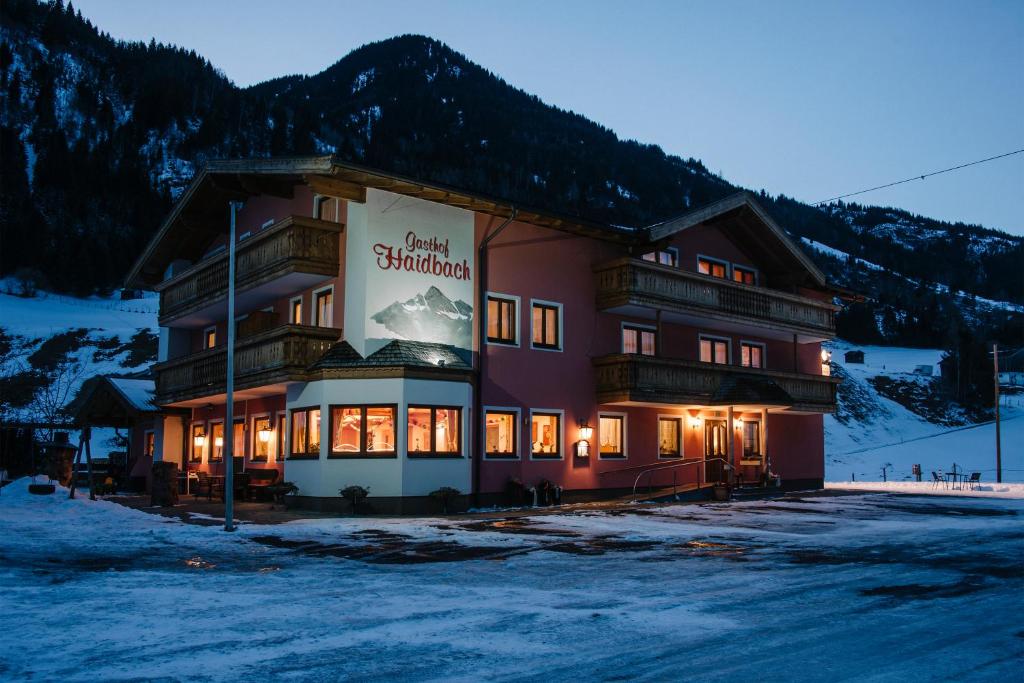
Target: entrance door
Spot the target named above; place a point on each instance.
(715, 446)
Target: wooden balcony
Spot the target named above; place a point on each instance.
(275, 356)
(628, 284)
(630, 378)
(290, 255)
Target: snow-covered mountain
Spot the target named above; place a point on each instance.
(430, 316)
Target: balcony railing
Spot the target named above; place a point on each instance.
(640, 283)
(295, 245)
(651, 379)
(282, 354)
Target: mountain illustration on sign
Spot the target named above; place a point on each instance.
(431, 317)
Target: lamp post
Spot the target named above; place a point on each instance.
(229, 407)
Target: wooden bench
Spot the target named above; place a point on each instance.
(260, 479)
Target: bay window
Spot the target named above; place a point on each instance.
(363, 431)
(305, 433)
(434, 431)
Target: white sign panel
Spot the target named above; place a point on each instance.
(419, 271)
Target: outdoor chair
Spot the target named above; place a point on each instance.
(938, 479)
(204, 485)
(974, 480)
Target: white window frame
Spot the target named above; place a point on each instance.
(487, 322)
(561, 326)
(722, 262)
(625, 436)
(209, 440)
(561, 433)
(205, 449)
(749, 269)
(276, 455)
(711, 337)
(682, 435)
(291, 307)
(674, 250)
(622, 329)
(252, 436)
(764, 354)
(518, 453)
(315, 309)
(206, 335)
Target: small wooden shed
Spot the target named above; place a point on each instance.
(854, 356)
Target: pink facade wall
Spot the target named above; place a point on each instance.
(243, 410)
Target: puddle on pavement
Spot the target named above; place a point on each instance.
(712, 548)
(199, 563)
(515, 525)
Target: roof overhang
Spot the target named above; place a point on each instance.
(750, 227)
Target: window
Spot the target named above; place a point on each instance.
(266, 224)
(295, 311)
(305, 433)
(262, 435)
(282, 435)
(546, 435)
(500, 433)
(216, 441)
(362, 431)
(149, 444)
(501, 320)
(245, 235)
(238, 440)
(323, 307)
(197, 443)
(751, 355)
(666, 257)
(712, 267)
(638, 340)
(747, 276)
(209, 337)
(611, 434)
(714, 350)
(752, 440)
(670, 431)
(546, 327)
(434, 432)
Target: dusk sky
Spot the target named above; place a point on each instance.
(809, 99)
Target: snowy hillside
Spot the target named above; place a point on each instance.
(50, 344)
(870, 429)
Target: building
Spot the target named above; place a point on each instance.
(404, 336)
(854, 356)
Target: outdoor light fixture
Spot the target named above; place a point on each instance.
(586, 431)
(582, 446)
(738, 423)
(264, 434)
(826, 358)
(219, 442)
(199, 440)
(694, 422)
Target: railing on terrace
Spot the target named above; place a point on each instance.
(634, 377)
(278, 355)
(637, 282)
(295, 244)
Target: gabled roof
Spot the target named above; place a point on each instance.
(107, 401)
(747, 222)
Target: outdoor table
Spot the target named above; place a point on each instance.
(955, 479)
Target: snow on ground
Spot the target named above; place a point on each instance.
(897, 436)
(822, 588)
(928, 488)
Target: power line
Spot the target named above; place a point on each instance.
(918, 177)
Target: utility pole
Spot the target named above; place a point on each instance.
(995, 377)
(229, 407)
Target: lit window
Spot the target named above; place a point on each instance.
(434, 431)
(305, 432)
(216, 442)
(282, 428)
(545, 326)
(747, 276)
(261, 437)
(546, 435)
(150, 446)
(751, 355)
(209, 337)
(500, 433)
(197, 443)
(501, 320)
(714, 350)
(238, 439)
(639, 340)
(323, 304)
(713, 268)
(666, 257)
(752, 439)
(295, 313)
(669, 432)
(610, 435)
(362, 430)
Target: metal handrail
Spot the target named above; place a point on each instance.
(658, 468)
